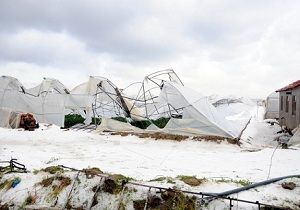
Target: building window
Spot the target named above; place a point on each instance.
(281, 103)
(287, 104)
(294, 105)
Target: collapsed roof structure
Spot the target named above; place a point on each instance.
(191, 112)
(48, 85)
(82, 97)
(8, 83)
(51, 100)
(48, 101)
(160, 94)
(145, 100)
(11, 91)
(98, 97)
(45, 101)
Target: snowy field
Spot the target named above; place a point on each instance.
(146, 159)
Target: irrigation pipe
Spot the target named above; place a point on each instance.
(251, 186)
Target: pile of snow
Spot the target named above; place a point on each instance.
(117, 126)
(295, 140)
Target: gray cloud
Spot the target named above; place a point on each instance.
(104, 26)
(242, 47)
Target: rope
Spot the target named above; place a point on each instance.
(271, 161)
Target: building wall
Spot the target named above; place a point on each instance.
(286, 118)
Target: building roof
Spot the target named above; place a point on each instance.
(290, 86)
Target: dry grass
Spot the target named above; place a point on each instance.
(217, 139)
(64, 182)
(114, 183)
(56, 188)
(242, 182)
(155, 135)
(7, 184)
(47, 181)
(175, 137)
(30, 200)
(191, 180)
(209, 138)
(168, 179)
(170, 199)
(175, 199)
(92, 172)
(53, 169)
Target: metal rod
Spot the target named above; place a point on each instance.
(69, 194)
(145, 100)
(96, 193)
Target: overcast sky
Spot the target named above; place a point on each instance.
(241, 47)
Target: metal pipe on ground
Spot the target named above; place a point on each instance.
(251, 186)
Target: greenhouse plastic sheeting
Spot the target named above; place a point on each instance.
(9, 118)
(192, 127)
(114, 125)
(272, 106)
(48, 109)
(197, 112)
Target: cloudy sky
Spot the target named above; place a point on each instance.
(238, 47)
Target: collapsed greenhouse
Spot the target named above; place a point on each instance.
(148, 137)
(45, 101)
(160, 95)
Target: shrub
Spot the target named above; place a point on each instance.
(73, 119)
(141, 124)
(161, 122)
(95, 120)
(121, 119)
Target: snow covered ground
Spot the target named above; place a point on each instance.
(146, 159)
